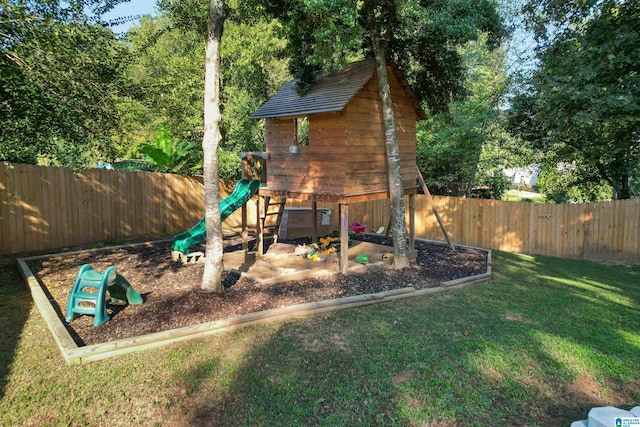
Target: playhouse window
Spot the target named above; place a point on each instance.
(302, 131)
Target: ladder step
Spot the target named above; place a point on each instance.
(273, 229)
(87, 296)
(84, 310)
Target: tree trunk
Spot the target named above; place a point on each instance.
(213, 268)
(396, 192)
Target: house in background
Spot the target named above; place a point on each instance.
(527, 176)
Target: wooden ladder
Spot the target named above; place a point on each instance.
(273, 229)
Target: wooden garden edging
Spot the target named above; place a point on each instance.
(73, 354)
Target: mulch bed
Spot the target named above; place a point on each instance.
(172, 298)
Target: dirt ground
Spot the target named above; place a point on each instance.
(172, 298)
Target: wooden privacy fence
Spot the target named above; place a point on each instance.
(45, 208)
(49, 207)
(598, 231)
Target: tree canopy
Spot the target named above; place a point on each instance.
(582, 105)
(60, 73)
(425, 41)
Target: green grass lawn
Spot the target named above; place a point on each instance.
(523, 196)
(540, 344)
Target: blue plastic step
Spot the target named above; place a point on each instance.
(84, 310)
(89, 296)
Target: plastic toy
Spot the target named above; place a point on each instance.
(362, 258)
(358, 228)
(88, 294)
(325, 247)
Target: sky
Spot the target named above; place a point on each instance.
(130, 8)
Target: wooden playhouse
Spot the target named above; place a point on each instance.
(329, 144)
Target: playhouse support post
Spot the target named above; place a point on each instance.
(259, 233)
(314, 215)
(344, 238)
(412, 222)
(245, 231)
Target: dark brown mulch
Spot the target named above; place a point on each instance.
(171, 290)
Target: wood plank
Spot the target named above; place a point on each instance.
(569, 229)
(60, 334)
(44, 191)
(88, 213)
(29, 216)
(97, 196)
(126, 203)
(587, 219)
(5, 212)
(165, 200)
(114, 210)
(615, 228)
(635, 225)
(93, 205)
(310, 168)
(105, 195)
(403, 119)
(344, 238)
(149, 214)
(579, 233)
(366, 103)
(305, 159)
(311, 187)
(364, 188)
(375, 147)
(18, 240)
(75, 230)
(628, 229)
(55, 201)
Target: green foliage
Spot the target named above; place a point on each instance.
(229, 164)
(169, 155)
(468, 141)
(60, 78)
(493, 184)
(583, 103)
(252, 70)
(423, 39)
(447, 153)
(563, 184)
(166, 78)
(427, 45)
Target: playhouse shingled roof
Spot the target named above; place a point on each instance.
(329, 92)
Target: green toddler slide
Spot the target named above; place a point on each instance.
(241, 194)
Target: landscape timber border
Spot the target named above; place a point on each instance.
(75, 355)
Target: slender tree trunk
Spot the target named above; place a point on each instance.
(213, 268)
(476, 161)
(396, 191)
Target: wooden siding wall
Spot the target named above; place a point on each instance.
(43, 208)
(346, 153)
(366, 148)
(318, 168)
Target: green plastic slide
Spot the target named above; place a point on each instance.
(241, 194)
